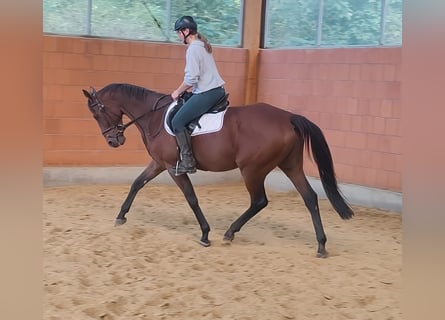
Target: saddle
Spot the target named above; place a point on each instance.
(219, 106)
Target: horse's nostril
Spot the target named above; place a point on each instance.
(110, 143)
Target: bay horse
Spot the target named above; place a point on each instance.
(255, 138)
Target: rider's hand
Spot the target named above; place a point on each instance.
(175, 94)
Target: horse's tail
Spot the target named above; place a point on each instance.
(312, 134)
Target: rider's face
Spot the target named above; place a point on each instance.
(182, 33)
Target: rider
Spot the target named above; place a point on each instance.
(202, 77)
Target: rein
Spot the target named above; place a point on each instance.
(121, 127)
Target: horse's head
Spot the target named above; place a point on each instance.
(108, 118)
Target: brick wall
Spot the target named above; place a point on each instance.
(353, 94)
(71, 135)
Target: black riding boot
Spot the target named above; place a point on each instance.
(187, 163)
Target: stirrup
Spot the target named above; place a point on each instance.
(176, 172)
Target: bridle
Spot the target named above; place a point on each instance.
(97, 102)
(120, 128)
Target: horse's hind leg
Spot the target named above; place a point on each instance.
(296, 175)
(258, 201)
(148, 174)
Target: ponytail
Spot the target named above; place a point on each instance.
(207, 44)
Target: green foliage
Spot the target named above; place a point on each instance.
(219, 21)
(65, 17)
(393, 23)
(289, 23)
(293, 23)
(352, 22)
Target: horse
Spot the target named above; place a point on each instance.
(255, 138)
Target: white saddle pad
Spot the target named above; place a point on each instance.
(209, 122)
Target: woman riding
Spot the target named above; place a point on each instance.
(202, 77)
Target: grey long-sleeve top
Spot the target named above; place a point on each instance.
(200, 69)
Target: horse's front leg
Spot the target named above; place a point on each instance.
(184, 183)
(153, 170)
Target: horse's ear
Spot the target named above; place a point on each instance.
(87, 94)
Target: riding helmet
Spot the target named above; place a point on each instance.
(186, 22)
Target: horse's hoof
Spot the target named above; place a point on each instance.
(226, 242)
(322, 254)
(120, 222)
(204, 243)
(228, 236)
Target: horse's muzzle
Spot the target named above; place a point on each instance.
(115, 141)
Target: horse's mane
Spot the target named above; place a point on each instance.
(129, 90)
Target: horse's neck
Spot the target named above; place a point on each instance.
(148, 114)
(134, 108)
